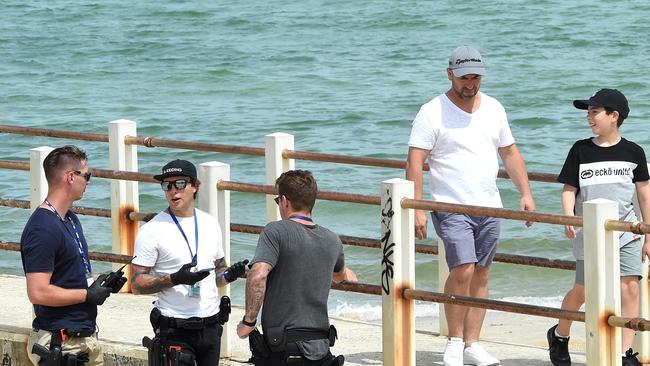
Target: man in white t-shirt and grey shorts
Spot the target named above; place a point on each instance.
(460, 133)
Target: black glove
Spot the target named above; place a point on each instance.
(117, 286)
(96, 294)
(235, 271)
(185, 276)
(115, 280)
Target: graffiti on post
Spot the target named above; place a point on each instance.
(6, 360)
(387, 244)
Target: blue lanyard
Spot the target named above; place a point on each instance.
(299, 217)
(75, 235)
(196, 233)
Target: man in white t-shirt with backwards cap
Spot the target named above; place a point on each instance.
(460, 134)
(179, 255)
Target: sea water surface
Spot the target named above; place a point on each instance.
(342, 77)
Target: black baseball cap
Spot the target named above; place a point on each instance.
(177, 168)
(610, 98)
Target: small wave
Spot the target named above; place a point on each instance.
(372, 313)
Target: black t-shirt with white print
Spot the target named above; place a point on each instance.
(606, 172)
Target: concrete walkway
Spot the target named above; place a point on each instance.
(517, 340)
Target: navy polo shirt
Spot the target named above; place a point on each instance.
(48, 245)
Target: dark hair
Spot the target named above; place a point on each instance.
(196, 184)
(61, 159)
(299, 187)
(620, 119)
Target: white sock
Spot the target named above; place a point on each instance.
(559, 336)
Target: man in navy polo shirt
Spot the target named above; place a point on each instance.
(57, 267)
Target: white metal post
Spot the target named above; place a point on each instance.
(397, 273)
(217, 204)
(443, 274)
(275, 143)
(124, 194)
(602, 283)
(37, 182)
(642, 339)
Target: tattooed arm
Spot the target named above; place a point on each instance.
(143, 282)
(220, 267)
(255, 290)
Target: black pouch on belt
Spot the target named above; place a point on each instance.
(275, 338)
(332, 335)
(258, 345)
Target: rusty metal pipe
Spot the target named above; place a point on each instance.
(14, 165)
(493, 212)
(636, 227)
(511, 307)
(362, 288)
(31, 131)
(96, 256)
(235, 149)
(190, 145)
(323, 195)
(638, 324)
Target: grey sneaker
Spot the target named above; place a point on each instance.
(558, 348)
(630, 358)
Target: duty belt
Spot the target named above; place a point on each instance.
(65, 333)
(306, 335)
(193, 323)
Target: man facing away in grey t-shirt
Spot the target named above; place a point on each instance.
(295, 262)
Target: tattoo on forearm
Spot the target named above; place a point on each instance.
(220, 264)
(220, 267)
(146, 283)
(255, 291)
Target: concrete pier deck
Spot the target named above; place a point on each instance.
(517, 340)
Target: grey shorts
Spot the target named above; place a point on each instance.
(467, 239)
(630, 255)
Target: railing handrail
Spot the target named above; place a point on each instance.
(151, 142)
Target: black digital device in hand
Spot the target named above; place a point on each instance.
(115, 280)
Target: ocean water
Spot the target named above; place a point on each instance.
(342, 77)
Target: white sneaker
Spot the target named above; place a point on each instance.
(477, 355)
(453, 355)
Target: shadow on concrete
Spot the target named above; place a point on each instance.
(427, 358)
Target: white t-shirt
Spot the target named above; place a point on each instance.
(463, 149)
(161, 245)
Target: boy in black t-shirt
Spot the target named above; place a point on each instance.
(610, 167)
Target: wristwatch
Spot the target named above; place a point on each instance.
(248, 324)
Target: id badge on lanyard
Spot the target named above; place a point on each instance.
(195, 289)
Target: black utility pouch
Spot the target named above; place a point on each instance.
(275, 337)
(154, 317)
(332, 335)
(258, 345)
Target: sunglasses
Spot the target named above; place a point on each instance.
(277, 200)
(179, 184)
(86, 175)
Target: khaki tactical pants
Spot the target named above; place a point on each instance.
(71, 345)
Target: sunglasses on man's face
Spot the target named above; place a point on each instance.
(86, 175)
(179, 184)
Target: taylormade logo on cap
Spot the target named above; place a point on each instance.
(466, 60)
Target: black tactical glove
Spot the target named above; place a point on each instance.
(117, 286)
(185, 276)
(96, 294)
(235, 271)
